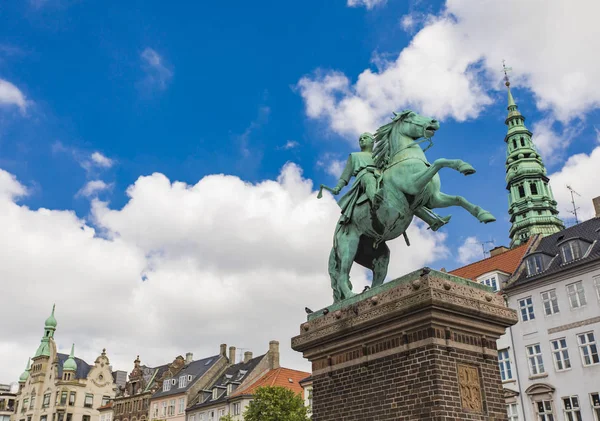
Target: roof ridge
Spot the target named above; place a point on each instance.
(491, 257)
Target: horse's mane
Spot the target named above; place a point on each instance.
(383, 140)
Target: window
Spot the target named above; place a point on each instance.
(85, 418)
(588, 348)
(181, 405)
(522, 142)
(550, 302)
(191, 418)
(595, 398)
(560, 354)
(164, 409)
(597, 285)
(536, 363)
(514, 142)
(533, 188)
(491, 282)
(521, 191)
(534, 265)
(237, 409)
(89, 400)
(572, 412)
(155, 410)
(544, 410)
(214, 393)
(526, 306)
(504, 363)
(182, 381)
(171, 410)
(69, 417)
(46, 401)
(32, 403)
(576, 294)
(105, 400)
(25, 404)
(63, 397)
(570, 251)
(166, 385)
(44, 418)
(72, 399)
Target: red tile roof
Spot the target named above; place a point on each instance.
(107, 406)
(506, 262)
(284, 377)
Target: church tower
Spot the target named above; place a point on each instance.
(531, 204)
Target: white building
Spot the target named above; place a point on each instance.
(553, 350)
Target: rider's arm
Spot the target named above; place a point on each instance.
(346, 176)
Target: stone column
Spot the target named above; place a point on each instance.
(421, 347)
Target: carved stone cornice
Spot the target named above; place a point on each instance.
(425, 305)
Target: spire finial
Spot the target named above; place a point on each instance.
(506, 70)
(73, 351)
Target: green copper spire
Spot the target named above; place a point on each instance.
(25, 374)
(70, 364)
(531, 204)
(49, 328)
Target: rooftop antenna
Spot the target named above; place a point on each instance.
(574, 211)
(483, 243)
(506, 71)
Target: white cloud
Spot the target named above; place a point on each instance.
(11, 95)
(92, 188)
(290, 144)
(335, 167)
(578, 172)
(549, 142)
(469, 251)
(369, 4)
(101, 160)
(158, 74)
(221, 258)
(454, 60)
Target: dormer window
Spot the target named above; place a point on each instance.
(182, 381)
(570, 251)
(215, 393)
(166, 385)
(491, 281)
(229, 389)
(535, 265)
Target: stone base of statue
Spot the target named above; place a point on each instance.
(421, 347)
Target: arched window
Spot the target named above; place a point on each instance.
(522, 142)
(533, 188)
(521, 191)
(514, 143)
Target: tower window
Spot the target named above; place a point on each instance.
(522, 142)
(533, 188)
(521, 191)
(514, 143)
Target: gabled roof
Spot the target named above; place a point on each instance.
(196, 369)
(284, 377)
(506, 262)
(587, 231)
(83, 368)
(235, 374)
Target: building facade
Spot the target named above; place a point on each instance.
(61, 387)
(179, 388)
(556, 290)
(8, 396)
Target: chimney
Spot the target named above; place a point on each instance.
(498, 250)
(596, 202)
(189, 357)
(232, 355)
(273, 355)
(223, 350)
(247, 356)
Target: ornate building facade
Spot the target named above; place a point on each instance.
(531, 204)
(61, 387)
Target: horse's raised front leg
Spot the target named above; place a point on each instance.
(347, 245)
(442, 200)
(421, 179)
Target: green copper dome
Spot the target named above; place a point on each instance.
(51, 321)
(70, 364)
(25, 374)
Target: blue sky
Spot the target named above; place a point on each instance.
(110, 92)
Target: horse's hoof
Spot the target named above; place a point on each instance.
(440, 223)
(466, 169)
(485, 217)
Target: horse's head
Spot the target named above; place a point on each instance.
(416, 126)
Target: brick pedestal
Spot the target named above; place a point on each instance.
(421, 347)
